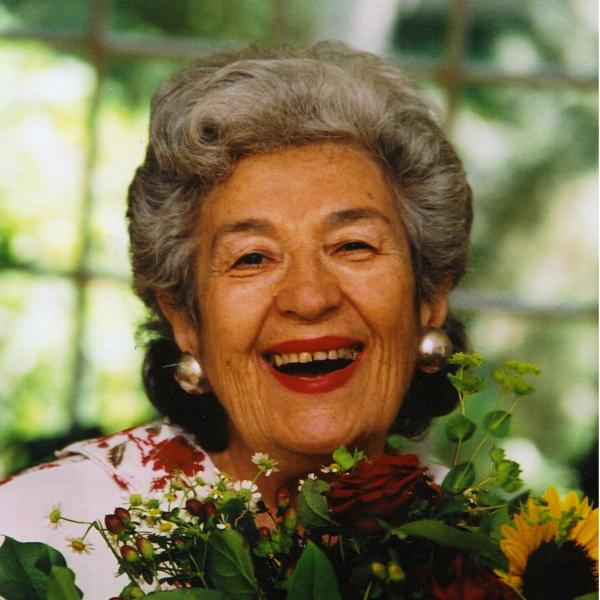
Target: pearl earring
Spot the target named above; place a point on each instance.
(189, 375)
(435, 349)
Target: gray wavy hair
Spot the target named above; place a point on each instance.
(257, 100)
(230, 105)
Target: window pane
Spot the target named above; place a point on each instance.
(113, 395)
(42, 154)
(49, 14)
(35, 353)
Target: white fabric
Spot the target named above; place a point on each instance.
(87, 481)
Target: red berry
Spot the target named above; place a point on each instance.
(129, 553)
(264, 533)
(123, 514)
(113, 524)
(145, 547)
(179, 544)
(283, 498)
(193, 506)
(209, 509)
(290, 518)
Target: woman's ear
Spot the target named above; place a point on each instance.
(433, 311)
(183, 330)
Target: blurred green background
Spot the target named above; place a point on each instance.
(517, 84)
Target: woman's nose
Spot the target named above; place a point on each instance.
(308, 291)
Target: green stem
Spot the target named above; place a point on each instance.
(76, 522)
(456, 453)
(483, 440)
(482, 482)
(368, 591)
(500, 399)
(199, 571)
(99, 529)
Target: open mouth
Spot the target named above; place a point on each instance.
(314, 364)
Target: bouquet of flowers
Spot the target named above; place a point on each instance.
(362, 529)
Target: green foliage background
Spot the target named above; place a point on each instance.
(530, 149)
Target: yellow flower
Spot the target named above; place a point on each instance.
(552, 548)
(79, 546)
(54, 517)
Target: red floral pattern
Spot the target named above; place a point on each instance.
(382, 489)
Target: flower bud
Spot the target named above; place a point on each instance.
(194, 507)
(54, 516)
(283, 498)
(290, 518)
(129, 553)
(264, 533)
(145, 547)
(379, 570)
(396, 572)
(135, 499)
(123, 514)
(113, 524)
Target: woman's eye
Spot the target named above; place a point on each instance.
(354, 246)
(250, 260)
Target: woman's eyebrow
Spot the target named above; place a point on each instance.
(350, 215)
(243, 226)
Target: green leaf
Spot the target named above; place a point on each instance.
(314, 577)
(453, 505)
(312, 505)
(459, 428)
(497, 423)
(24, 569)
(463, 359)
(459, 384)
(469, 383)
(452, 537)
(505, 473)
(492, 521)
(459, 478)
(591, 596)
(192, 594)
(343, 458)
(229, 564)
(61, 584)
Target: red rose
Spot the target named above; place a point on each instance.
(466, 580)
(382, 489)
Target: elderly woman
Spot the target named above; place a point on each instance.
(296, 228)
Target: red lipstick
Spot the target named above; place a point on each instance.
(322, 383)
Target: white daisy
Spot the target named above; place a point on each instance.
(249, 491)
(264, 463)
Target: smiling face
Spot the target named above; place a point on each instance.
(309, 327)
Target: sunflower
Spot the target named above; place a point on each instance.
(552, 548)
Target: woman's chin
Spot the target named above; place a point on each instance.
(318, 440)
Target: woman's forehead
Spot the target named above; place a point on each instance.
(337, 183)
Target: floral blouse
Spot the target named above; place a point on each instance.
(87, 481)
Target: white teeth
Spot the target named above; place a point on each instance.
(305, 357)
